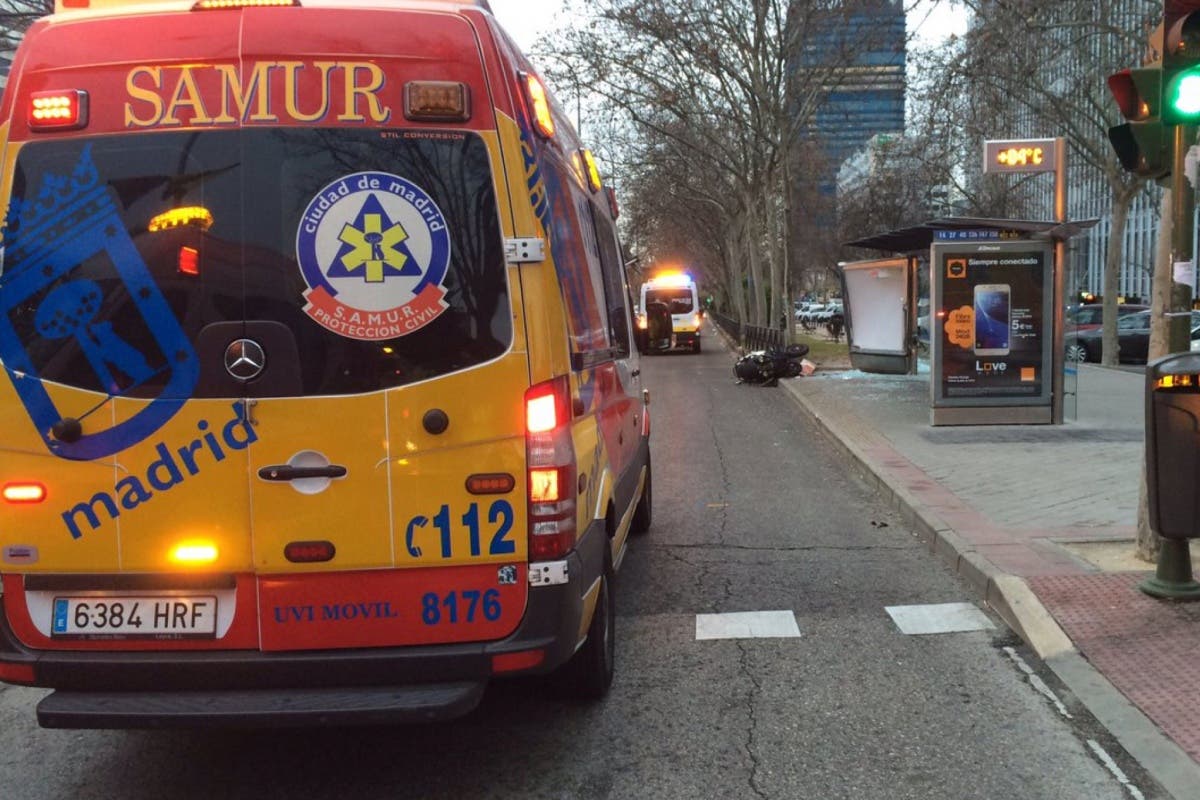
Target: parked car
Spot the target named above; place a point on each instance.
(828, 311)
(1133, 339)
(803, 309)
(1091, 315)
(808, 316)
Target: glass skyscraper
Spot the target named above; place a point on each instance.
(858, 49)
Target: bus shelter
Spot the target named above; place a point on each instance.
(996, 316)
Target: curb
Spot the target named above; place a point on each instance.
(1011, 598)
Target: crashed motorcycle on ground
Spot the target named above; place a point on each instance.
(766, 367)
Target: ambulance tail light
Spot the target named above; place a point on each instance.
(58, 110)
(550, 458)
(539, 104)
(189, 261)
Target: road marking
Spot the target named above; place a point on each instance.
(747, 625)
(718, 505)
(939, 618)
(1037, 682)
(1121, 777)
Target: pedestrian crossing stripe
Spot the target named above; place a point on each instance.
(747, 625)
(939, 618)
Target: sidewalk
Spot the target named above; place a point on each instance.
(1040, 520)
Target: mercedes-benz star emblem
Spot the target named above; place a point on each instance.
(245, 359)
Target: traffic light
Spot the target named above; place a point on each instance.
(1143, 145)
(1181, 62)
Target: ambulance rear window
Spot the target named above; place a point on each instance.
(358, 259)
(679, 301)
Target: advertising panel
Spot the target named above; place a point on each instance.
(993, 331)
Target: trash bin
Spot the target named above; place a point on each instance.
(1173, 445)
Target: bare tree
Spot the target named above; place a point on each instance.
(726, 85)
(15, 18)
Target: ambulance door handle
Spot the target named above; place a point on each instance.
(286, 472)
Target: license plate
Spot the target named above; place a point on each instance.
(133, 617)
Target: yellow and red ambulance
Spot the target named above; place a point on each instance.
(320, 400)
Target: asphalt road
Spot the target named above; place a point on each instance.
(753, 512)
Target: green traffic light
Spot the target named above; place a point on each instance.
(1184, 95)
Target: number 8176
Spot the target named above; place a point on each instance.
(455, 607)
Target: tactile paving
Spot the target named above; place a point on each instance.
(1148, 649)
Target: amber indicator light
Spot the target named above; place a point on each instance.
(24, 492)
(441, 101)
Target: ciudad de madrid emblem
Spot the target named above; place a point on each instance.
(374, 250)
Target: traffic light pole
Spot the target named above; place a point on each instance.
(1183, 206)
(1183, 197)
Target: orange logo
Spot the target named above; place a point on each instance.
(960, 327)
(956, 268)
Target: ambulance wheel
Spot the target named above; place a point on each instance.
(696, 345)
(643, 513)
(590, 671)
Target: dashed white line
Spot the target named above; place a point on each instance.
(1117, 772)
(1037, 682)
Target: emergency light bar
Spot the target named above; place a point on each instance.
(591, 171)
(613, 206)
(539, 104)
(670, 279)
(122, 5)
(221, 5)
(58, 110)
(441, 101)
(197, 216)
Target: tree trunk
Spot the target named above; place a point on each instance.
(750, 245)
(785, 251)
(1148, 542)
(771, 227)
(1109, 344)
(733, 276)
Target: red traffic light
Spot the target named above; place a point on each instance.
(1138, 92)
(1129, 99)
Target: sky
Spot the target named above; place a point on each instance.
(930, 21)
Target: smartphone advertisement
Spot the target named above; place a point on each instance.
(993, 331)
